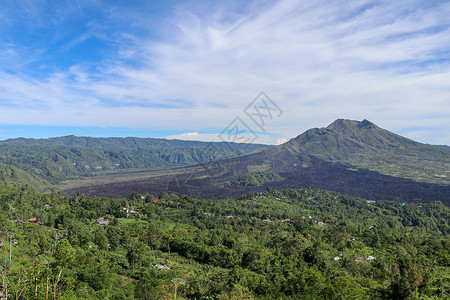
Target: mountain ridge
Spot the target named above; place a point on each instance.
(73, 157)
(328, 158)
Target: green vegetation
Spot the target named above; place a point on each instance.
(14, 177)
(72, 157)
(290, 244)
(256, 179)
(365, 145)
(276, 244)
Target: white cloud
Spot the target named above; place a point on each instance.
(216, 137)
(281, 141)
(386, 61)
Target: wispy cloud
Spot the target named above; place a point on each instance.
(196, 67)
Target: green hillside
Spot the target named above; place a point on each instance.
(256, 179)
(71, 157)
(16, 178)
(289, 244)
(365, 145)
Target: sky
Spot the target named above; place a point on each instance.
(200, 70)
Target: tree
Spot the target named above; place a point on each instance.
(407, 279)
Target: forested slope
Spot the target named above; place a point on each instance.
(292, 244)
(72, 157)
(14, 177)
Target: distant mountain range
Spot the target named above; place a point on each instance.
(356, 158)
(72, 157)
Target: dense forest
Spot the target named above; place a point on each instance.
(278, 244)
(256, 179)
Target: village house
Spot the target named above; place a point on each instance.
(162, 266)
(102, 221)
(159, 201)
(320, 223)
(370, 258)
(129, 210)
(338, 257)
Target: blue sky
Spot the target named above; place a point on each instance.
(187, 69)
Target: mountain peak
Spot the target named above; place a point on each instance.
(366, 124)
(346, 137)
(341, 124)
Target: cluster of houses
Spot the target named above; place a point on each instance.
(269, 221)
(365, 258)
(261, 220)
(129, 210)
(31, 220)
(276, 220)
(358, 259)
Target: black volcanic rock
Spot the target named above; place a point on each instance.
(349, 157)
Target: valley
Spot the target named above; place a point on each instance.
(355, 158)
(224, 150)
(345, 211)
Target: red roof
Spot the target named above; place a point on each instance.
(32, 220)
(159, 201)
